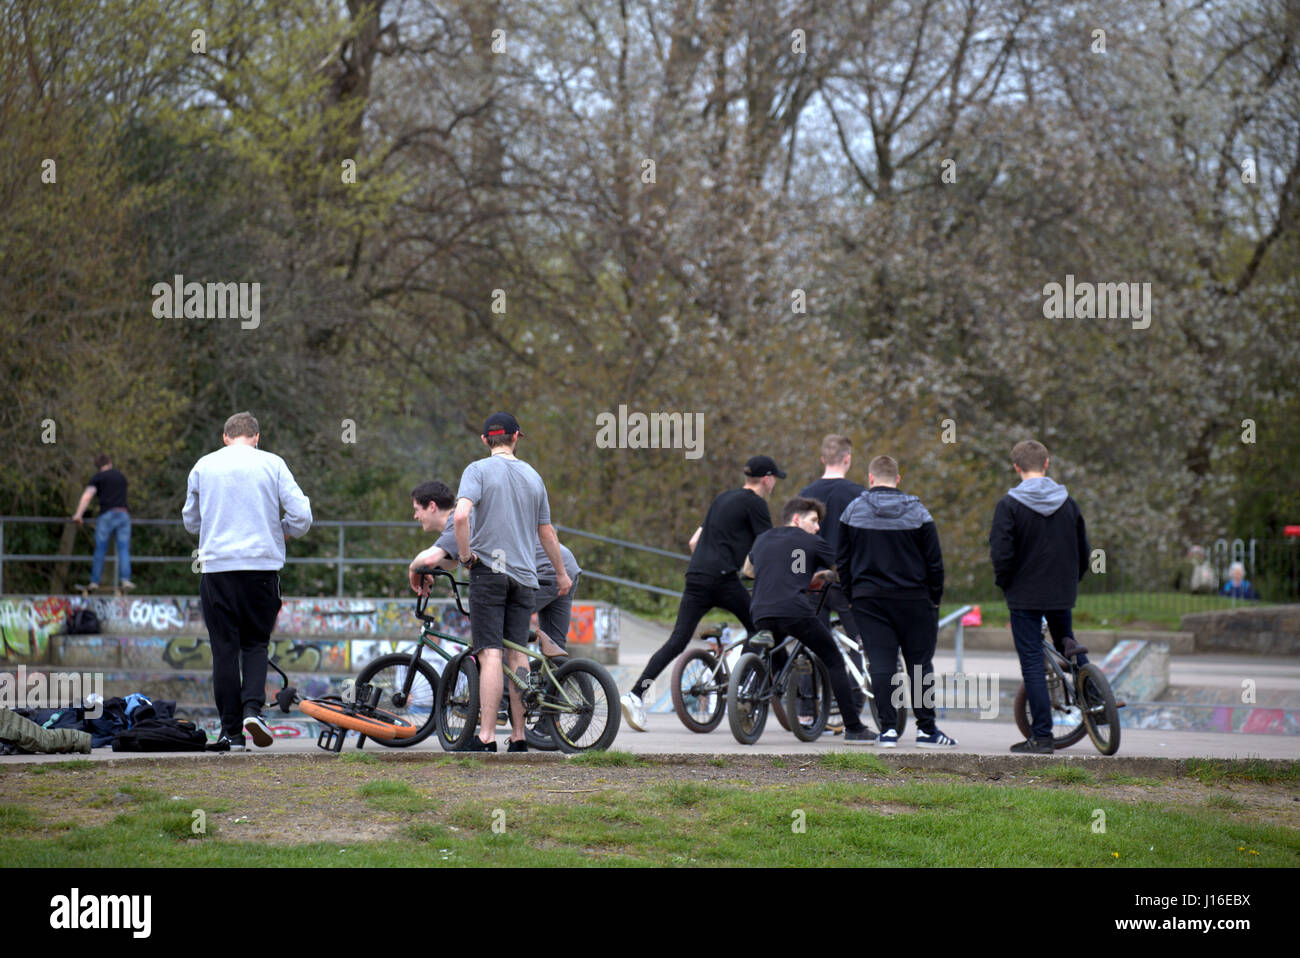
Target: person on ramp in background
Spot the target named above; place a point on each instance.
(114, 523)
(234, 500)
(1039, 549)
(718, 549)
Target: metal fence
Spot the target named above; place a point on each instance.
(403, 539)
(364, 556)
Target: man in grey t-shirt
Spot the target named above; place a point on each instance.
(511, 515)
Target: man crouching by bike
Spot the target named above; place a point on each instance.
(785, 563)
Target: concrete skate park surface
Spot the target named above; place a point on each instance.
(986, 740)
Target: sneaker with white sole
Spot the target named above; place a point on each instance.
(633, 710)
(935, 739)
(888, 738)
(258, 731)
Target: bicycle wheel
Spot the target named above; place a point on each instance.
(458, 702)
(807, 665)
(536, 735)
(583, 711)
(376, 724)
(699, 690)
(1067, 724)
(748, 695)
(1100, 713)
(419, 706)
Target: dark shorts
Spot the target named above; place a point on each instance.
(499, 608)
(555, 611)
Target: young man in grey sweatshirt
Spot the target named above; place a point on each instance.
(234, 500)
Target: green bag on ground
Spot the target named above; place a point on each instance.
(29, 736)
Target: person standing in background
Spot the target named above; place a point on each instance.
(114, 520)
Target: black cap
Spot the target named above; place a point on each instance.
(763, 466)
(501, 424)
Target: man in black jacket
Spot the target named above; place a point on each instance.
(891, 567)
(1039, 548)
(719, 547)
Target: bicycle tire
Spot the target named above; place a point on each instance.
(458, 704)
(589, 684)
(697, 699)
(1097, 701)
(748, 698)
(807, 663)
(378, 724)
(1025, 722)
(419, 707)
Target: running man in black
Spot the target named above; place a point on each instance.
(735, 519)
(785, 562)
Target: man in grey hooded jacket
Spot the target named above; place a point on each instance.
(891, 568)
(1039, 548)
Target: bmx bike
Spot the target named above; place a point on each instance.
(572, 705)
(1082, 702)
(339, 714)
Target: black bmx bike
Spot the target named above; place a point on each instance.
(1081, 699)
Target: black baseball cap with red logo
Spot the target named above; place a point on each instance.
(763, 466)
(501, 424)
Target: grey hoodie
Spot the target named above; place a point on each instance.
(1041, 494)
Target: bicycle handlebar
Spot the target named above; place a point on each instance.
(422, 601)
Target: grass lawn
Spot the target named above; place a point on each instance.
(841, 809)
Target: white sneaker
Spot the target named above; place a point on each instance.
(888, 738)
(633, 710)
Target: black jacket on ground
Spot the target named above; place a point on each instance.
(1038, 558)
(889, 548)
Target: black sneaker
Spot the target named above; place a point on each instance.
(258, 731)
(1034, 746)
(229, 743)
(476, 744)
(519, 746)
(863, 736)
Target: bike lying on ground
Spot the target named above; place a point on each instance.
(1082, 702)
(573, 705)
(339, 714)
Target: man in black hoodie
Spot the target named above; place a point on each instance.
(1039, 548)
(891, 567)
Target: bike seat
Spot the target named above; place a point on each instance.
(550, 648)
(762, 640)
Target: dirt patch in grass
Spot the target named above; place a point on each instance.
(295, 799)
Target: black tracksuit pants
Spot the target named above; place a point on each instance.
(702, 594)
(817, 637)
(239, 610)
(888, 625)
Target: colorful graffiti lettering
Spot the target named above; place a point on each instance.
(156, 615)
(188, 653)
(26, 626)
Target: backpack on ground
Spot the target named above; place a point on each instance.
(161, 735)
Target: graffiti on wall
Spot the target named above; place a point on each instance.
(26, 626)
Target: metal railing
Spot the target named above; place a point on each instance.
(341, 559)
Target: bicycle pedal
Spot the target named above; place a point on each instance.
(331, 738)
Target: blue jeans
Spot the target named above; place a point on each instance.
(1026, 630)
(116, 523)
